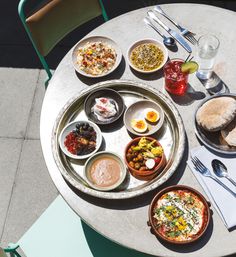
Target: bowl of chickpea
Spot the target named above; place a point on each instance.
(145, 158)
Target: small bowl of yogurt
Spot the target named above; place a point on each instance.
(104, 171)
(104, 106)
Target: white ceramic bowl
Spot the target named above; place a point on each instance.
(143, 41)
(94, 39)
(70, 127)
(137, 111)
(97, 156)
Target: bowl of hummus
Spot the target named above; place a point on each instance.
(104, 171)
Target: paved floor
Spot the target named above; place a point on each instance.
(26, 189)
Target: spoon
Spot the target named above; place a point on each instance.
(168, 41)
(221, 171)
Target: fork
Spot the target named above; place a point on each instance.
(184, 32)
(200, 167)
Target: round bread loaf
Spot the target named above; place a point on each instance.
(216, 113)
(229, 133)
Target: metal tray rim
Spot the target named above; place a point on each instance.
(119, 195)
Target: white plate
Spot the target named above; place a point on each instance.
(91, 40)
(70, 127)
(137, 111)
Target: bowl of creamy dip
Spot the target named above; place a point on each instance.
(104, 171)
(104, 106)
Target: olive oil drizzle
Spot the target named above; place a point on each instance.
(147, 57)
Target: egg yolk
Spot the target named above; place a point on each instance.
(140, 124)
(152, 116)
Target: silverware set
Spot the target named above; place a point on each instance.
(201, 168)
(221, 171)
(152, 19)
(184, 32)
(168, 41)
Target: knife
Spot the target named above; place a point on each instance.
(173, 33)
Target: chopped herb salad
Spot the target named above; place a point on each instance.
(147, 57)
(96, 58)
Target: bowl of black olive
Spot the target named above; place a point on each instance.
(80, 139)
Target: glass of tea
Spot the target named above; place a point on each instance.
(176, 81)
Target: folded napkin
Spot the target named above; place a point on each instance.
(222, 200)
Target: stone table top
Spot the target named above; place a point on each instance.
(126, 224)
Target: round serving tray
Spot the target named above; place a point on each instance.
(213, 140)
(116, 137)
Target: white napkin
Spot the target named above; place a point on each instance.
(223, 201)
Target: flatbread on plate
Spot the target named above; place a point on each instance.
(216, 113)
(229, 133)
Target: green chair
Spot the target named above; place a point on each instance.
(59, 232)
(54, 20)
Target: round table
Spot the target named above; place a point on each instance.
(125, 222)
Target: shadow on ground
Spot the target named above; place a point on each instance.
(103, 247)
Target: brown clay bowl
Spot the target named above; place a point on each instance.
(206, 215)
(145, 174)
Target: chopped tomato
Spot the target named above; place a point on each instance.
(104, 100)
(157, 160)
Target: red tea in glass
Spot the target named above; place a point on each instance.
(176, 81)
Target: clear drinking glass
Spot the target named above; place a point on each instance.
(207, 48)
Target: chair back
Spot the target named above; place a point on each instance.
(57, 18)
(54, 20)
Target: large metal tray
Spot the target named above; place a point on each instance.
(171, 136)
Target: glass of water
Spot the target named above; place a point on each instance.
(207, 48)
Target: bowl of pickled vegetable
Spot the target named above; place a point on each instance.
(147, 55)
(80, 139)
(145, 158)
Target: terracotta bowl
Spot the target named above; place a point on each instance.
(206, 215)
(146, 174)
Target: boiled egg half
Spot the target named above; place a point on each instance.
(139, 125)
(151, 115)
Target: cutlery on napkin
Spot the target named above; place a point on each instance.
(222, 200)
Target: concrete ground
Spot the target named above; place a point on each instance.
(26, 189)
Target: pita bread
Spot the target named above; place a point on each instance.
(216, 113)
(229, 133)
(223, 142)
